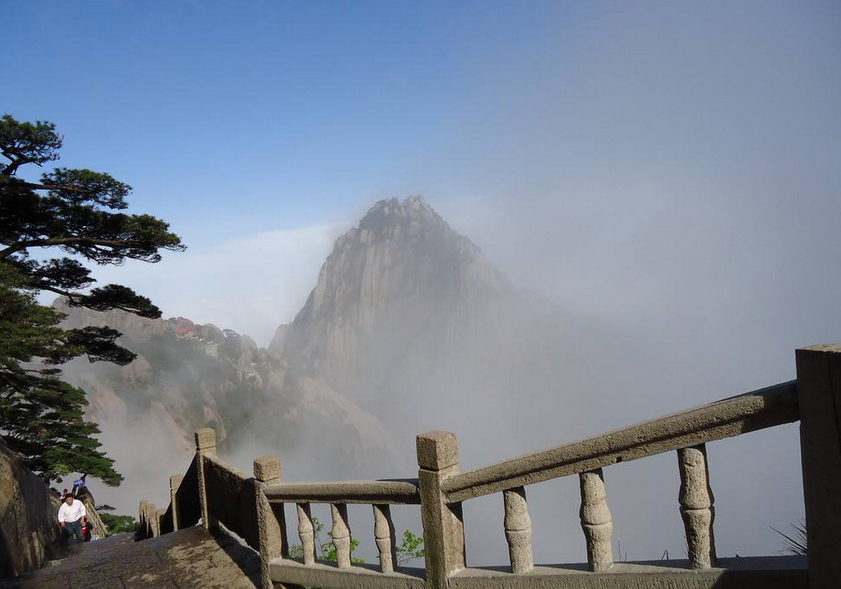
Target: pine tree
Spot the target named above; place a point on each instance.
(78, 213)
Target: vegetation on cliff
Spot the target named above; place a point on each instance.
(78, 212)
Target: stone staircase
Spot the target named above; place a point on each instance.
(188, 558)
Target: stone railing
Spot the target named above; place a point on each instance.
(254, 507)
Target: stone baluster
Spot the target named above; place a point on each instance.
(205, 446)
(151, 520)
(443, 523)
(819, 392)
(174, 483)
(306, 533)
(518, 530)
(341, 534)
(143, 525)
(696, 506)
(159, 518)
(271, 526)
(596, 521)
(384, 536)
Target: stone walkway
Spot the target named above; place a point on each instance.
(181, 560)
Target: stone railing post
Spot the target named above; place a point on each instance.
(696, 506)
(341, 534)
(596, 521)
(517, 525)
(151, 520)
(306, 533)
(174, 483)
(819, 398)
(270, 524)
(443, 524)
(384, 538)
(142, 524)
(159, 518)
(205, 446)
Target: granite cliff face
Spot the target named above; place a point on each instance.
(406, 314)
(396, 289)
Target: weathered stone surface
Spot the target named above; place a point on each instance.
(306, 533)
(596, 521)
(271, 526)
(205, 439)
(189, 558)
(205, 449)
(443, 522)
(174, 483)
(367, 492)
(355, 577)
(231, 499)
(28, 517)
(384, 537)
(267, 468)
(780, 572)
(696, 506)
(341, 534)
(437, 450)
(150, 516)
(819, 385)
(187, 497)
(517, 525)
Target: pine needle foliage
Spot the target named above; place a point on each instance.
(79, 214)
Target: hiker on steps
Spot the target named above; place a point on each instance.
(72, 517)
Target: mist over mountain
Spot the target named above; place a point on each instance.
(407, 328)
(410, 321)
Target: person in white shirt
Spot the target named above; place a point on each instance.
(72, 517)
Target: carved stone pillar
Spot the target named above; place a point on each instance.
(384, 536)
(596, 521)
(174, 483)
(341, 534)
(306, 533)
(205, 446)
(518, 530)
(696, 506)
(270, 524)
(443, 524)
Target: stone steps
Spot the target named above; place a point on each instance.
(188, 558)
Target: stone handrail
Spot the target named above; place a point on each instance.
(749, 412)
(230, 499)
(402, 492)
(814, 399)
(338, 494)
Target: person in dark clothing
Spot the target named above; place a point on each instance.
(79, 485)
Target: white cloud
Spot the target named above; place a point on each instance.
(250, 284)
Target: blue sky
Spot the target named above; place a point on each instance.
(293, 108)
(306, 110)
(590, 148)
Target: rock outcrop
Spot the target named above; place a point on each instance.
(410, 321)
(29, 532)
(188, 376)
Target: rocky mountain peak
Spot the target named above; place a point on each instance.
(401, 272)
(393, 211)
